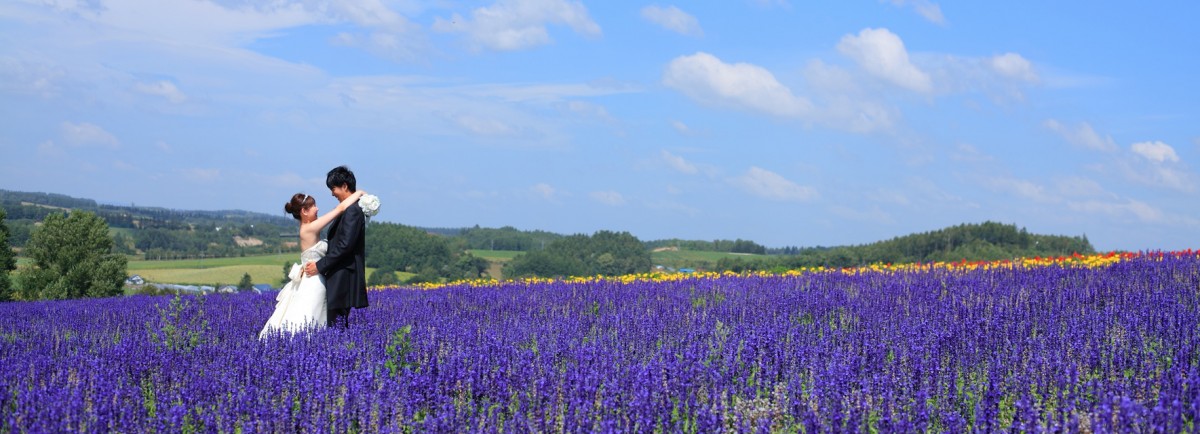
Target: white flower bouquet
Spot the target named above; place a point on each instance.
(369, 204)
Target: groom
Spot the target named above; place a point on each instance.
(343, 265)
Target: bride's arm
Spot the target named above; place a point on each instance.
(321, 221)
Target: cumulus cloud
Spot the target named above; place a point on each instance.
(678, 163)
(770, 185)
(1157, 152)
(1156, 164)
(545, 191)
(86, 134)
(1022, 188)
(1140, 210)
(706, 79)
(1013, 65)
(882, 54)
(1082, 135)
(610, 198)
(164, 89)
(673, 19)
(931, 11)
(510, 25)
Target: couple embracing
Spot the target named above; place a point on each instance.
(331, 276)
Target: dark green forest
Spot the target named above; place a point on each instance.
(986, 241)
(435, 254)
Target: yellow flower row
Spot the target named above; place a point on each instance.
(1075, 260)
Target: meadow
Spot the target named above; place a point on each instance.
(214, 271)
(1086, 344)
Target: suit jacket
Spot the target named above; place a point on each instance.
(344, 264)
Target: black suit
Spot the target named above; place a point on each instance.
(344, 264)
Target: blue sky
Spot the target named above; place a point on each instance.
(784, 122)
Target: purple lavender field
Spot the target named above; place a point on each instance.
(1114, 348)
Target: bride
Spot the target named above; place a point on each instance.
(301, 303)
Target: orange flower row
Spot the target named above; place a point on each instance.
(1073, 260)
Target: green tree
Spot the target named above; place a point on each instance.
(604, 253)
(7, 260)
(245, 284)
(72, 258)
(383, 276)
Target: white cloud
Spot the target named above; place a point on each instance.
(678, 163)
(706, 79)
(199, 22)
(682, 128)
(770, 185)
(1022, 188)
(163, 89)
(931, 11)
(967, 152)
(545, 191)
(1157, 152)
(1140, 210)
(1012, 65)
(86, 134)
(846, 105)
(588, 109)
(1081, 187)
(1156, 164)
(484, 127)
(610, 198)
(881, 53)
(673, 19)
(1083, 135)
(510, 25)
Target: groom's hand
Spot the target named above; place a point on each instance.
(310, 269)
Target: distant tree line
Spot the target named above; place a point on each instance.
(157, 233)
(439, 254)
(727, 246)
(394, 247)
(505, 238)
(986, 241)
(604, 253)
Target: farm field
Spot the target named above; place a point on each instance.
(268, 268)
(224, 271)
(1085, 344)
(692, 258)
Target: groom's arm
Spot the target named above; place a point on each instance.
(341, 247)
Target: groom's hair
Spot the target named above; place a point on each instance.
(340, 175)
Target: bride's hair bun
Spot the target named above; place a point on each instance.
(299, 202)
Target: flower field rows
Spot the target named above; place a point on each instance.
(1106, 343)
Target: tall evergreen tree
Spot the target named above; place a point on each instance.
(72, 258)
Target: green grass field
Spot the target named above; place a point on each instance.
(276, 260)
(495, 255)
(269, 268)
(221, 271)
(692, 259)
(214, 271)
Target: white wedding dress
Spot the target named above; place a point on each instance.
(300, 305)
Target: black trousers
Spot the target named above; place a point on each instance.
(339, 318)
